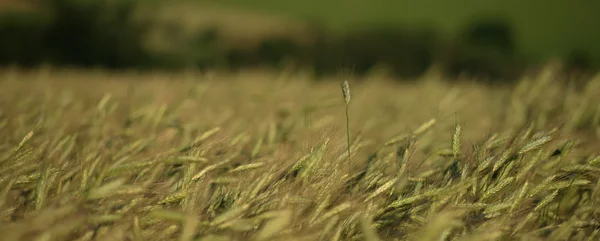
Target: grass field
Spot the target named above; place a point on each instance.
(262, 156)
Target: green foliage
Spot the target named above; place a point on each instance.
(407, 53)
(97, 32)
(206, 49)
(116, 33)
(492, 34)
(274, 51)
(579, 60)
(76, 32)
(23, 37)
(487, 49)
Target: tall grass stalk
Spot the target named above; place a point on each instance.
(347, 97)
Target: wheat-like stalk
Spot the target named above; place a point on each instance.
(347, 97)
(68, 164)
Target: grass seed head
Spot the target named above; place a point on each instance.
(346, 91)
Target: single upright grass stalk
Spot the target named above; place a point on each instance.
(347, 97)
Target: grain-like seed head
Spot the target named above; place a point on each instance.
(346, 91)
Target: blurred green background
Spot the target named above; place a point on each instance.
(495, 38)
(543, 28)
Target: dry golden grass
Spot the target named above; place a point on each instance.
(257, 156)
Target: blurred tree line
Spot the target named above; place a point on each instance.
(109, 34)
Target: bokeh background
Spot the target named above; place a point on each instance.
(494, 39)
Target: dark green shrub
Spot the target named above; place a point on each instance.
(75, 32)
(97, 33)
(23, 37)
(206, 49)
(490, 34)
(407, 53)
(486, 48)
(579, 60)
(273, 51)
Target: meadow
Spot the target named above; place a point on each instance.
(95, 155)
